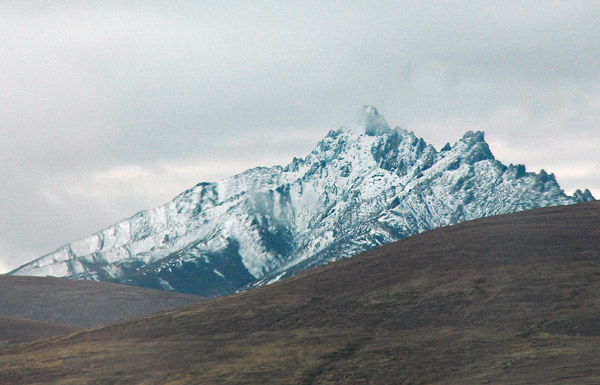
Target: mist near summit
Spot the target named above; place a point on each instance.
(110, 108)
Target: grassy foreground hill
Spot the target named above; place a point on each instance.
(507, 299)
(81, 303)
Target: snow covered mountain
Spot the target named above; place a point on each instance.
(359, 188)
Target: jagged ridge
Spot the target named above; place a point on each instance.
(359, 188)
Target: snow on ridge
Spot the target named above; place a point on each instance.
(354, 191)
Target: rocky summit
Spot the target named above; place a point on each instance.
(360, 187)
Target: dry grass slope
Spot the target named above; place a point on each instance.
(81, 303)
(17, 330)
(508, 299)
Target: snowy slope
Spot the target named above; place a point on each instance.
(359, 188)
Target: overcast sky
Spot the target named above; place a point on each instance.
(107, 109)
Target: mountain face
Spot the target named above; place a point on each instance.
(356, 190)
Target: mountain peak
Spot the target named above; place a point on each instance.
(372, 122)
(354, 191)
(478, 147)
(474, 137)
(583, 196)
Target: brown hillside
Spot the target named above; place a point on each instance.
(508, 299)
(17, 330)
(81, 303)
